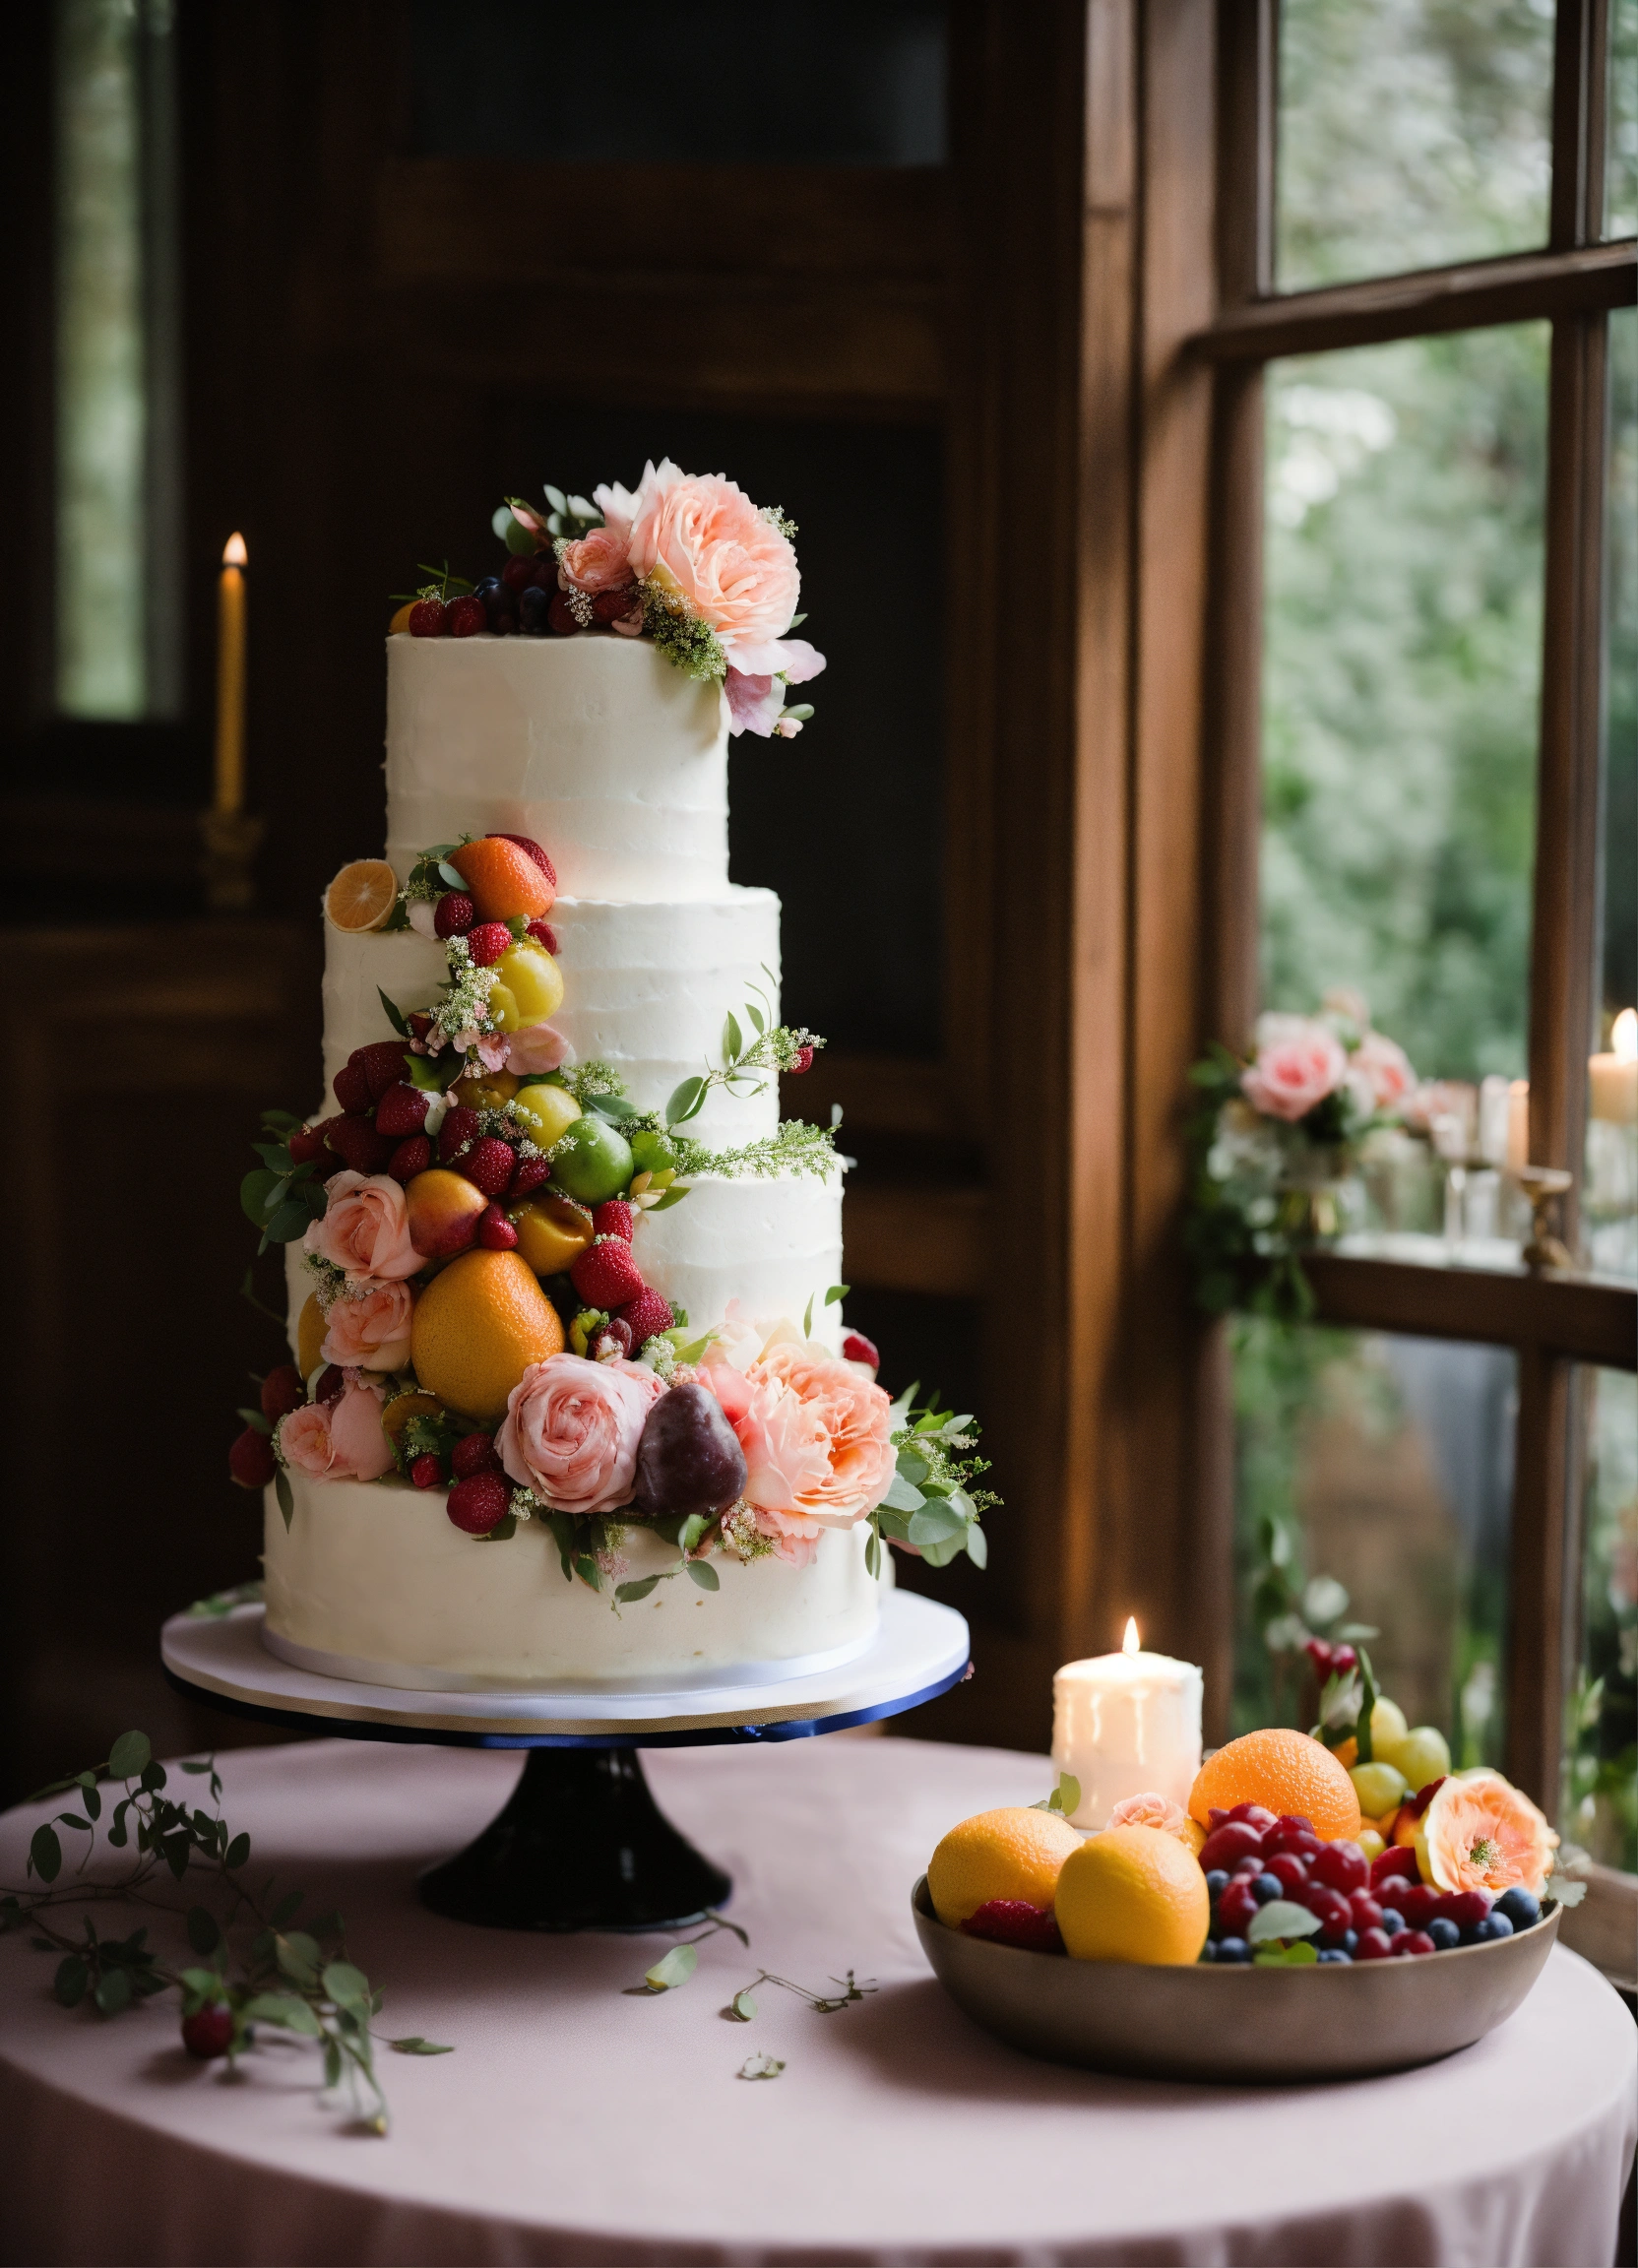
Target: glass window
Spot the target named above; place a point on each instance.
(1402, 663)
(1620, 194)
(1412, 134)
(1601, 1765)
(1373, 1493)
(787, 82)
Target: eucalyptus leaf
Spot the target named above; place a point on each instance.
(284, 2008)
(1281, 1918)
(685, 1101)
(673, 1969)
(414, 2045)
(113, 1992)
(756, 1017)
(451, 876)
(45, 1854)
(733, 1040)
(977, 1545)
(628, 1593)
(702, 1572)
(255, 1190)
(935, 1523)
(347, 1986)
(873, 1553)
(204, 1934)
(744, 2006)
(287, 1221)
(902, 1497)
(285, 1496)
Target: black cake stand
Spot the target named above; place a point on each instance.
(580, 1844)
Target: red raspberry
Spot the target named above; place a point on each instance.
(427, 1472)
(494, 1232)
(561, 616)
(803, 1062)
(307, 1144)
(331, 1387)
(357, 1142)
(382, 1063)
(647, 1314)
(454, 915)
(477, 1502)
(606, 1275)
(475, 1453)
(488, 941)
(283, 1390)
(614, 1218)
(401, 1111)
(855, 1348)
(531, 1171)
(352, 1087)
(1414, 1941)
(542, 932)
(490, 1164)
(429, 620)
(411, 1158)
(527, 842)
(251, 1459)
(1014, 1921)
(458, 1132)
(465, 617)
(209, 2032)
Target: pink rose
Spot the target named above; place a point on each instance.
(597, 561)
(365, 1228)
(701, 539)
(362, 1451)
(1383, 1070)
(304, 1440)
(372, 1329)
(538, 1047)
(572, 1428)
(1151, 1811)
(1299, 1063)
(816, 1437)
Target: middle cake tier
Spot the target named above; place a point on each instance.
(647, 985)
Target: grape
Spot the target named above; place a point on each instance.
(1235, 1840)
(1342, 1866)
(688, 1460)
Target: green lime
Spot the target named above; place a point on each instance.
(593, 1161)
(653, 1154)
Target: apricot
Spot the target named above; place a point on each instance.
(443, 1210)
(310, 1329)
(552, 1232)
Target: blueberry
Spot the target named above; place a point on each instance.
(1208, 1951)
(531, 611)
(1444, 1933)
(1393, 1920)
(1336, 1953)
(500, 605)
(1216, 1881)
(1266, 1887)
(1521, 1908)
(1350, 1944)
(1233, 1949)
(1492, 1927)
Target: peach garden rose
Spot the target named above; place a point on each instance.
(303, 1441)
(370, 1329)
(364, 1228)
(572, 1429)
(1484, 1834)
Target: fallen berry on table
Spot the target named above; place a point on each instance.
(209, 2032)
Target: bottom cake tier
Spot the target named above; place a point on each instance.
(373, 1583)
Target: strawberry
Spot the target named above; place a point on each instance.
(494, 1232)
(357, 1142)
(527, 842)
(609, 606)
(401, 1111)
(855, 1348)
(606, 1275)
(647, 1315)
(454, 915)
(542, 932)
(531, 1171)
(382, 1063)
(283, 1390)
(475, 1453)
(457, 1134)
(465, 618)
(328, 1160)
(803, 1062)
(409, 1159)
(330, 1386)
(421, 1024)
(488, 941)
(614, 1218)
(307, 1144)
(561, 616)
(489, 1163)
(429, 620)
(352, 1086)
(479, 1502)
(427, 1472)
(251, 1461)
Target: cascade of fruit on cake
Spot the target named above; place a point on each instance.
(559, 1276)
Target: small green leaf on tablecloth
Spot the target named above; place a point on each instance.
(673, 1969)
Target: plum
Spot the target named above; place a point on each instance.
(688, 1460)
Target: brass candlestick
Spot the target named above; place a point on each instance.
(1544, 1185)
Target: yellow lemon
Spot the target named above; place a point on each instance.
(477, 1327)
(544, 1111)
(534, 980)
(1133, 1894)
(1015, 1853)
(488, 1093)
(310, 1329)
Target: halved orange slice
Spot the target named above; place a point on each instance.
(362, 896)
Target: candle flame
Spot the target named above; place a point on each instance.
(1129, 1644)
(233, 552)
(1624, 1037)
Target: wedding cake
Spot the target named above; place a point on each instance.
(558, 1278)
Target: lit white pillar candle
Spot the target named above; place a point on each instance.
(1127, 1724)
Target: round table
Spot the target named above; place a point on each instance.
(582, 2121)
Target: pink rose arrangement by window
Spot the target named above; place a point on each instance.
(364, 1228)
(1300, 1062)
(572, 1429)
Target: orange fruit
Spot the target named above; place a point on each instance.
(479, 1326)
(400, 620)
(1133, 1894)
(310, 1327)
(1289, 1772)
(1015, 1853)
(362, 896)
(403, 1407)
(504, 881)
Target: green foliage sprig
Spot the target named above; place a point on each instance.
(793, 1147)
(280, 1197)
(297, 1981)
(932, 1504)
(439, 584)
(675, 1969)
(747, 1063)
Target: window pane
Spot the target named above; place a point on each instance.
(1412, 133)
(1610, 1207)
(1620, 194)
(1601, 1793)
(1402, 663)
(799, 83)
(1373, 1487)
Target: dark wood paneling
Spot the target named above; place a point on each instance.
(1574, 1316)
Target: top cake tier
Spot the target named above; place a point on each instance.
(598, 746)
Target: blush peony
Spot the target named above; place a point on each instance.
(370, 1329)
(1152, 1811)
(303, 1441)
(700, 537)
(1484, 1834)
(1300, 1062)
(572, 1429)
(365, 1228)
(816, 1437)
(361, 1449)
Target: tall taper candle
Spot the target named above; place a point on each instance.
(230, 633)
(1127, 1724)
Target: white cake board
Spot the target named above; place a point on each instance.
(919, 1652)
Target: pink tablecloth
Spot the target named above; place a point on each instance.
(578, 2123)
